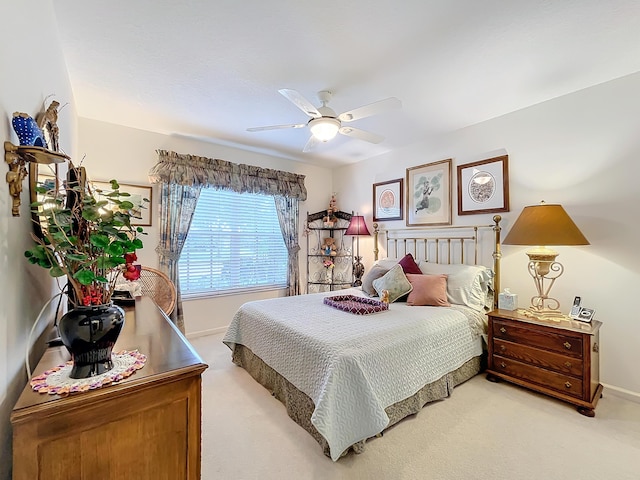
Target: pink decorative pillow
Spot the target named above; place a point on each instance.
(428, 290)
(409, 265)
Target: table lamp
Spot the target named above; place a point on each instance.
(544, 225)
(358, 228)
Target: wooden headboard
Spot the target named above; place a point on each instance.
(450, 244)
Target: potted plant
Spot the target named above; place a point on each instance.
(87, 235)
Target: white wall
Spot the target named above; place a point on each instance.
(127, 154)
(579, 150)
(32, 69)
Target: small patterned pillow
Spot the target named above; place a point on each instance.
(395, 281)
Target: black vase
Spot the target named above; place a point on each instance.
(89, 333)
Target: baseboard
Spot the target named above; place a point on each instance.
(622, 393)
(204, 333)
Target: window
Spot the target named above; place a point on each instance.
(234, 244)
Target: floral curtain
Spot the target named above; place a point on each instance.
(177, 204)
(184, 169)
(288, 216)
(182, 176)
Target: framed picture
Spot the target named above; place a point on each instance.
(429, 194)
(483, 187)
(387, 200)
(142, 208)
(586, 314)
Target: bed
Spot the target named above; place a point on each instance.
(346, 377)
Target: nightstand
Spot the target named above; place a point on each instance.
(559, 358)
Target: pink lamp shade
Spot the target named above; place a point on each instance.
(357, 226)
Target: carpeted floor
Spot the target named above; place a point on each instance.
(483, 431)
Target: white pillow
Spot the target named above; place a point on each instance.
(468, 285)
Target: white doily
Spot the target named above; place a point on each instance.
(56, 381)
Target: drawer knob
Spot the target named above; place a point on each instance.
(567, 345)
(503, 330)
(567, 364)
(503, 365)
(502, 348)
(568, 384)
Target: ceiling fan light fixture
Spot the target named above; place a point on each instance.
(324, 128)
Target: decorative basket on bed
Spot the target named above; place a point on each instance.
(356, 305)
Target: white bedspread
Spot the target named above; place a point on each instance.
(354, 366)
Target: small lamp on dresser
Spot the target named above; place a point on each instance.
(357, 227)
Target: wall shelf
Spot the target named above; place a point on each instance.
(16, 156)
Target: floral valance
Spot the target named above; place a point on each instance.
(192, 170)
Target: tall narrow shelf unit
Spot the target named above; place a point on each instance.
(319, 277)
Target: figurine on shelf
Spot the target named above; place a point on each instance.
(333, 206)
(330, 220)
(329, 247)
(48, 123)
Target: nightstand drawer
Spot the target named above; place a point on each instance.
(539, 358)
(546, 338)
(545, 378)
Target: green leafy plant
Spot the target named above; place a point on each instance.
(87, 235)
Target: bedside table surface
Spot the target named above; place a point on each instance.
(588, 328)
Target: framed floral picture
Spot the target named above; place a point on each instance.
(140, 196)
(429, 194)
(388, 200)
(483, 187)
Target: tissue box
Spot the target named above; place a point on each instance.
(507, 301)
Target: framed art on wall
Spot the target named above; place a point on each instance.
(429, 194)
(483, 187)
(141, 197)
(387, 200)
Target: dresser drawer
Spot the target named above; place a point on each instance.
(545, 378)
(539, 358)
(547, 338)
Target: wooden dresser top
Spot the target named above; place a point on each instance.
(589, 328)
(146, 329)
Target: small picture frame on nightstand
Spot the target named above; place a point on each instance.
(585, 314)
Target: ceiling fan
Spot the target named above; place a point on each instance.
(325, 124)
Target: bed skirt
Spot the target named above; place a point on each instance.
(300, 407)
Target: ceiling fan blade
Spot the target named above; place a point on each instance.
(371, 109)
(311, 144)
(361, 134)
(301, 102)
(276, 127)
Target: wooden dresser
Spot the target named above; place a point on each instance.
(557, 358)
(145, 427)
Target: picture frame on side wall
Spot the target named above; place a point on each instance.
(142, 209)
(388, 200)
(429, 194)
(483, 187)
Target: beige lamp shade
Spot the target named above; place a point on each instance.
(544, 224)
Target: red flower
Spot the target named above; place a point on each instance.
(132, 272)
(130, 257)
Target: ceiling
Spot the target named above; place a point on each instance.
(211, 69)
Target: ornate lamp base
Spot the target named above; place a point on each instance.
(358, 271)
